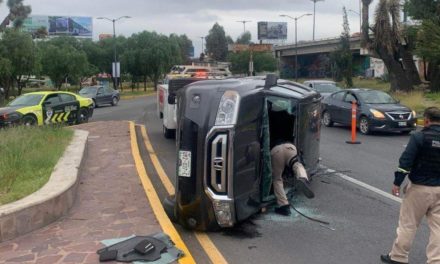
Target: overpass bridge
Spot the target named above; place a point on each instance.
(314, 57)
(316, 47)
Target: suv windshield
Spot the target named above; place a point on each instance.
(376, 97)
(326, 87)
(88, 90)
(27, 100)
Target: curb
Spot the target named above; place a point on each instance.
(50, 202)
(131, 97)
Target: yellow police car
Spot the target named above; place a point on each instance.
(41, 108)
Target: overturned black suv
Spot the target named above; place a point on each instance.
(224, 134)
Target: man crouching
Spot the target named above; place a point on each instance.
(283, 156)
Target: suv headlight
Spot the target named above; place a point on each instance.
(228, 109)
(414, 114)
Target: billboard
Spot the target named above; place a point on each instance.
(272, 30)
(61, 25)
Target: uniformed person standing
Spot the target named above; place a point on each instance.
(421, 161)
(283, 156)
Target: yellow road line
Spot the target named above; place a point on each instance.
(160, 171)
(156, 205)
(211, 250)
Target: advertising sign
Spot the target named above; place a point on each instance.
(61, 25)
(272, 30)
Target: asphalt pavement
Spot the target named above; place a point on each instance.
(362, 222)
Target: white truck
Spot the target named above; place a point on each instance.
(166, 103)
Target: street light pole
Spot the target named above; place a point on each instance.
(203, 38)
(296, 41)
(314, 13)
(244, 24)
(115, 58)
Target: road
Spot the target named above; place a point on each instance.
(362, 222)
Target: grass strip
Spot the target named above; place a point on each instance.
(27, 158)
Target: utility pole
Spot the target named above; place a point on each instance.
(116, 70)
(296, 41)
(244, 24)
(360, 19)
(314, 14)
(203, 50)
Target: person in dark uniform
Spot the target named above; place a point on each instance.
(421, 162)
(284, 155)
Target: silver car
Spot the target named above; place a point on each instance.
(325, 88)
(101, 95)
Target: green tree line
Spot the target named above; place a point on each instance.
(144, 56)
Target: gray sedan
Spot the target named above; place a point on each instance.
(101, 95)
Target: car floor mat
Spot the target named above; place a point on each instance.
(164, 252)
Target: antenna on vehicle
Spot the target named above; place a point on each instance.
(271, 80)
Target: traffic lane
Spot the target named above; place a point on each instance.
(362, 226)
(373, 161)
(131, 110)
(364, 222)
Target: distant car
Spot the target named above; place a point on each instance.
(101, 95)
(376, 111)
(41, 108)
(325, 88)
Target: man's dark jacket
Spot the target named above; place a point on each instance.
(421, 158)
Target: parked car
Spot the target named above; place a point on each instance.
(41, 108)
(101, 95)
(325, 88)
(376, 111)
(225, 130)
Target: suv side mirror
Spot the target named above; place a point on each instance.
(46, 103)
(171, 99)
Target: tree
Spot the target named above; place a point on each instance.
(263, 62)
(229, 40)
(342, 59)
(61, 61)
(245, 38)
(19, 52)
(18, 12)
(185, 45)
(216, 43)
(388, 42)
(428, 37)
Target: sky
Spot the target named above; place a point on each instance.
(195, 17)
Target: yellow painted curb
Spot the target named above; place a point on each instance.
(156, 205)
(208, 246)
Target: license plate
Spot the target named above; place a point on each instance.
(403, 124)
(184, 169)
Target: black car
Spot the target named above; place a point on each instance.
(376, 111)
(101, 95)
(225, 130)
